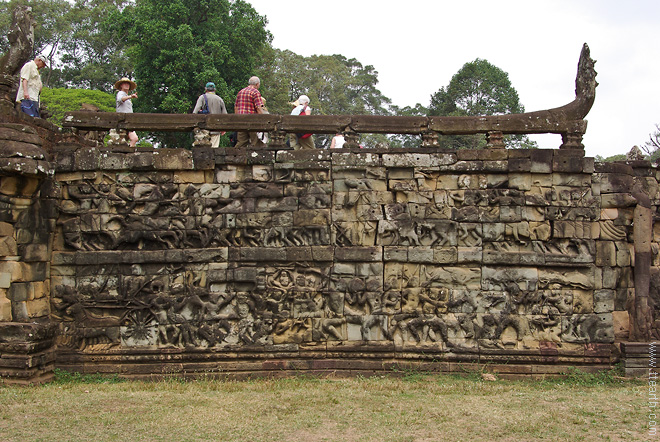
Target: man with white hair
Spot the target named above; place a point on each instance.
(306, 140)
(30, 86)
(249, 101)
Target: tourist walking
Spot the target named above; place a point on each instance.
(124, 103)
(302, 140)
(248, 101)
(210, 103)
(30, 86)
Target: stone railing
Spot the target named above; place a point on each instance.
(568, 121)
(429, 128)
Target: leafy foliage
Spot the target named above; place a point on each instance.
(60, 100)
(180, 45)
(94, 55)
(618, 157)
(407, 141)
(82, 49)
(335, 84)
(478, 88)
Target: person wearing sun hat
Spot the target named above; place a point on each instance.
(212, 104)
(30, 86)
(124, 103)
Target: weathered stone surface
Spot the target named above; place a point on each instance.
(164, 261)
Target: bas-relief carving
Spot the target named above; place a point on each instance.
(166, 216)
(536, 234)
(176, 306)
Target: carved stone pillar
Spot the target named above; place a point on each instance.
(352, 139)
(495, 140)
(572, 141)
(430, 139)
(277, 138)
(202, 137)
(643, 238)
(21, 39)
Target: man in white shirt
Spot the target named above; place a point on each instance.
(30, 86)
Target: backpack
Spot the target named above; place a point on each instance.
(303, 136)
(205, 108)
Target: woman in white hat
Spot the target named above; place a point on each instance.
(124, 103)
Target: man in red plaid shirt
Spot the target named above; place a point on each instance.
(248, 101)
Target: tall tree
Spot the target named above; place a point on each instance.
(52, 26)
(478, 88)
(180, 45)
(407, 141)
(335, 84)
(94, 54)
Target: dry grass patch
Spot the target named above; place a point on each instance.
(409, 408)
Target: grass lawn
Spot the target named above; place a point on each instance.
(410, 407)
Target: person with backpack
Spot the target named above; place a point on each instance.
(210, 103)
(302, 140)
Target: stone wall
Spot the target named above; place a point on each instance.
(265, 261)
(245, 262)
(26, 225)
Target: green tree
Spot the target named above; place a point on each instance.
(61, 100)
(335, 84)
(478, 88)
(180, 45)
(618, 157)
(407, 141)
(52, 27)
(94, 54)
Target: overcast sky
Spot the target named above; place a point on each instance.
(418, 45)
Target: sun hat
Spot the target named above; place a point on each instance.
(303, 99)
(125, 80)
(210, 86)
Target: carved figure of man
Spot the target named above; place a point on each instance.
(30, 86)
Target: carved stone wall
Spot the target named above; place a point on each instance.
(179, 261)
(26, 225)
